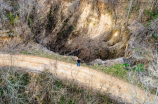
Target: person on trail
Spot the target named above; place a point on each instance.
(78, 62)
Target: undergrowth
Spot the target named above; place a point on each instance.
(25, 87)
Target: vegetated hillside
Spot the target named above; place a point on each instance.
(89, 29)
(44, 88)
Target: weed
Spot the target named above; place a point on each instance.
(30, 22)
(136, 8)
(149, 12)
(127, 9)
(155, 35)
(139, 68)
(17, 18)
(58, 83)
(62, 100)
(126, 65)
(153, 15)
(25, 52)
(11, 17)
(148, 23)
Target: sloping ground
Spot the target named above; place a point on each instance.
(117, 89)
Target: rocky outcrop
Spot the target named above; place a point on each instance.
(108, 62)
(96, 61)
(114, 61)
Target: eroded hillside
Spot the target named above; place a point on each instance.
(89, 29)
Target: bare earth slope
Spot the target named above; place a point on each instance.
(88, 77)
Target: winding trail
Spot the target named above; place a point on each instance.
(118, 89)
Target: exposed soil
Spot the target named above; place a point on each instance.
(120, 90)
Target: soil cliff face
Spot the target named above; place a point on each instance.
(94, 28)
(89, 29)
(85, 26)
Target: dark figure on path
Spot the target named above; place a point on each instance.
(78, 62)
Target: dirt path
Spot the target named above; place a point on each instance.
(86, 76)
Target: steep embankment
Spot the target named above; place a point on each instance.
(116, 88)
(95, 28)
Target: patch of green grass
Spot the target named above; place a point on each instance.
(26, 53)
(117, 70)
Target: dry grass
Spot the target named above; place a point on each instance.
(18, 86)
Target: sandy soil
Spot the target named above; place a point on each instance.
(118, 89)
